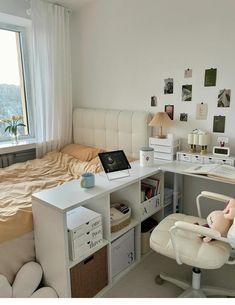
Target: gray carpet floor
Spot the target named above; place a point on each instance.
(139, 282)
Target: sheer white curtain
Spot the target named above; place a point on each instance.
(52, 75)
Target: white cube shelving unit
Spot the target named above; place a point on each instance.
(51, 208)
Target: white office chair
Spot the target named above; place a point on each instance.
(177, 236)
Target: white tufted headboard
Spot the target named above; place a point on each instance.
(111, 129)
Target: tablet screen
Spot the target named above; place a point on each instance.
(113, 161)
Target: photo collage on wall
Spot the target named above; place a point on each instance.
(210, 80)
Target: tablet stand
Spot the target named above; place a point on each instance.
(118, 174)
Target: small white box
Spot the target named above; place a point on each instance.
(197, 159)
(165, 149)
(209, 160)
(164, 156)
(94, 234)
(84, 231)
(164, 142)
(123, 252)
(82, 220)
(224, 161)
(77, 252)
(183, 157)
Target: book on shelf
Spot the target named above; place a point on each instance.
(150, 187)
(218, 171)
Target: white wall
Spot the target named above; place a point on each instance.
(14, 7)
(124, 49)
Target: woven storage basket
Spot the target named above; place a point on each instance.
(122, 222)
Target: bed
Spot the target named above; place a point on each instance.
(94, 130)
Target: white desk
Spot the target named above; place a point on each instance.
(177, 168)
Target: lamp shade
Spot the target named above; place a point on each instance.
(204, 139)
(160, 119)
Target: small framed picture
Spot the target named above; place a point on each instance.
(219, 124)
(210, 77)
(183, 117)
(188, 73)
(169, 86)
(201, 111)
(187, 93)
(169, 109)
(224, 98)
(153, 101)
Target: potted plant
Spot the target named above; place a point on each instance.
(12, 126)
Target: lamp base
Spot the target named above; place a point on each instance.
(161, 137)
(203, 150)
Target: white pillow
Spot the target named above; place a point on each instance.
(27, 280)
(5, 287)
(45, 292)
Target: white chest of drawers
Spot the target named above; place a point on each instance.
(164, 149)
(204, 159)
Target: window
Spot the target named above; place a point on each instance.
(15, 94)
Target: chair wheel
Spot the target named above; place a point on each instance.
(159, 280)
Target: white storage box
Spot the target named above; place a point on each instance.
(165, 149)
(88, 237)
(197, 159)
(165, 142)
(78, 251)
(84, 231)
(82, 220)
(164, 156)
(150, 206)
(205, 159)
(183, 157)
(123, 252)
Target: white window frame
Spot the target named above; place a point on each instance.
(23, 26)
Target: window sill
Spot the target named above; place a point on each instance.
(8, 147)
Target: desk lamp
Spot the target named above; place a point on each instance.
(160, 119)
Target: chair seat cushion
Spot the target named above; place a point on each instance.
(193, 250)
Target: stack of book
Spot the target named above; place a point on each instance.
(150, 187)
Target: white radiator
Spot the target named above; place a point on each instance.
(21, 156)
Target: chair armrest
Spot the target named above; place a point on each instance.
(190, 227)
(210, 195)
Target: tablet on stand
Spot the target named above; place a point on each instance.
(115, 164)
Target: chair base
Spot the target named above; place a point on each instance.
(191, 291)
